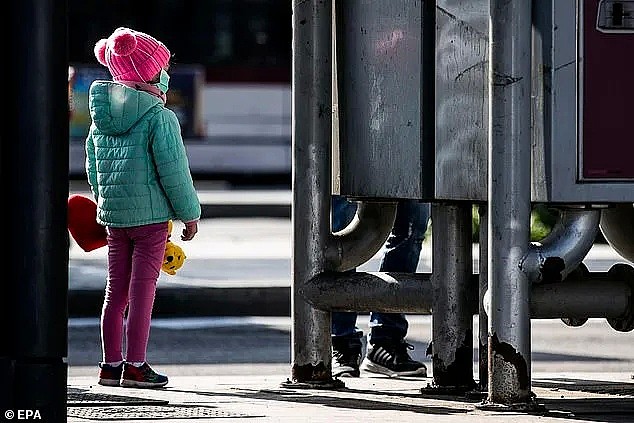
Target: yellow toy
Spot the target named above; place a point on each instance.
(174, 255)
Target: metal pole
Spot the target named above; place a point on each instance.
(312, 131)
(581, 299)
(509, 201)
(452, 318)
(33, 368)
(483, 286)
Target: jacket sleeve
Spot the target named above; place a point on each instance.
(172, 166)
(91, 166)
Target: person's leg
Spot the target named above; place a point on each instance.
(114, 305)
(346, 337)
(344, 324)
(404, 244)
(116, 294)
(402, 254)
(387, 350)
(147, 258)
(342, 213)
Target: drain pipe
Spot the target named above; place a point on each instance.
(553, 258)
(363, 237)
(617, 227)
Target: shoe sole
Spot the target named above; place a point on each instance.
(371, 367)
(109, 382)
(136, 384)
(347, 373)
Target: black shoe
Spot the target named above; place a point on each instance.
(392, 359)
(346, 357)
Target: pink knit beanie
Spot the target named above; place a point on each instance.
(131, 55)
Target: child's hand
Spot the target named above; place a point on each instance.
(190, 230)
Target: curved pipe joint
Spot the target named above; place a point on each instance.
(564, 248)
(617, 227)
(363, 237)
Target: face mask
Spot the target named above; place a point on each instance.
(164, 81)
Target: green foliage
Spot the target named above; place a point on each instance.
(542, 221)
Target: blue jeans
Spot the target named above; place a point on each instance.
(402, 254)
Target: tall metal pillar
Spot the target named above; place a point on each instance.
(509, 202)
(33, 369)
(452, 321)
(483, 286)
(312, 131)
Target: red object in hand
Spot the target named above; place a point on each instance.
(82, 223)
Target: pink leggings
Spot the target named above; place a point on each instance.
(135, 256)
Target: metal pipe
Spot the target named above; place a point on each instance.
(370, 291)
(581, 299)
(452, 323)
(311, 122)
(617, 226)
(365, 235)
(483, 318)
(509, 201)
(564, 248)
(596, 295)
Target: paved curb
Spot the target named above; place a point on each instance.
(210, 211)
(190, 302)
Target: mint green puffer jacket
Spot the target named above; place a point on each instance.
(136, 162)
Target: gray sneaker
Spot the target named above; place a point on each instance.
(392, 359)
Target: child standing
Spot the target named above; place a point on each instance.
(139, 174)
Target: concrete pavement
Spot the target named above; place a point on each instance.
(234, 368)
(259, 393)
